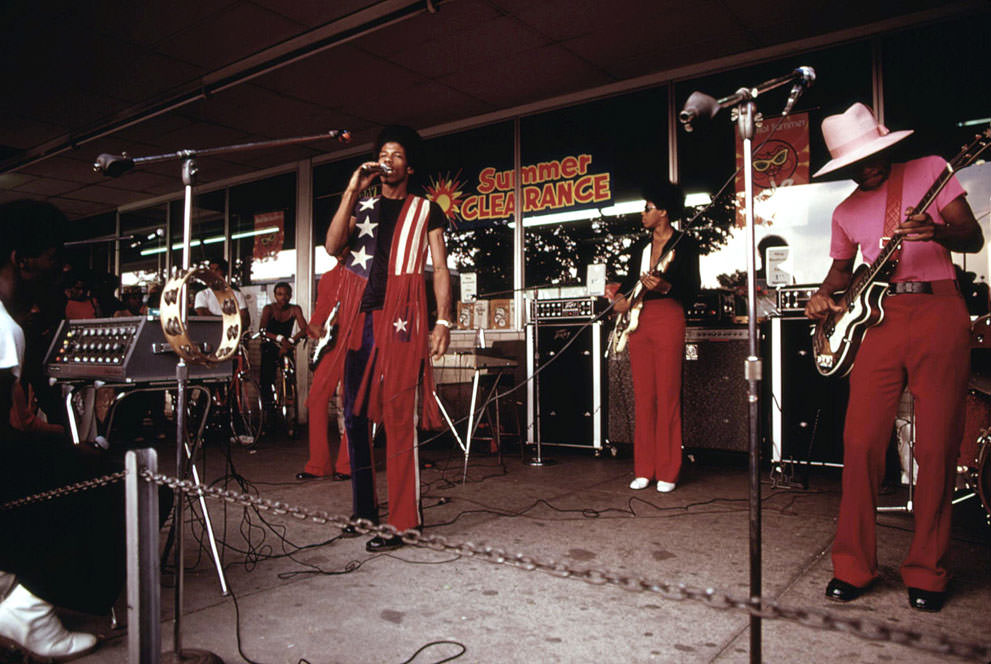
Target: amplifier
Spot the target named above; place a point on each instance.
(577, 308)
(132, 349)
(712, 306)
(792, 299)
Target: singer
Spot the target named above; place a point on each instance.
(382, 352)
(666, 263)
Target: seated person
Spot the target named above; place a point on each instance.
(206, 304)
(277, 322)
(133, 303)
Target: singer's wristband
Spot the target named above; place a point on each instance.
(443, 321)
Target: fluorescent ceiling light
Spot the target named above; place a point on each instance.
(698, 198)
(971, 123)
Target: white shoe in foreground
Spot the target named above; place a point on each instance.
(639, 483)
(29, 623)
(665, 487)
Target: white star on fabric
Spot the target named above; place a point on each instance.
(368, 204)
(361, 257)
(400, 325)
(367, 228)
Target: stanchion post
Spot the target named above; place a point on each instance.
(144, 635)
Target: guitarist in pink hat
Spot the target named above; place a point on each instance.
(904, 320)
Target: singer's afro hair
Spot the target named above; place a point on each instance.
(406, 137)
(666, 196)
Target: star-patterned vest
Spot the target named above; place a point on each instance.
(401, 327)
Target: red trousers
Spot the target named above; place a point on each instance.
(320, 462)
(657, 350)
(923, 342)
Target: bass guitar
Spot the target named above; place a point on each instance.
(837, 337)
(629, 320)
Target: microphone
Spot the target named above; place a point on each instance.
(113, 165)
(698, 105)
(806, 77)
(376, 168)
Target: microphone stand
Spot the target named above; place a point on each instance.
(744, 113)
(114, 166)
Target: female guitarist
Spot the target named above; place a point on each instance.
(663, 279)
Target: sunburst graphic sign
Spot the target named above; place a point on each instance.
(447, 192)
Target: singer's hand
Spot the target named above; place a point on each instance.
(362, 179)
(440, 339)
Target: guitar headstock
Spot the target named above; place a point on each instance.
(970, 152)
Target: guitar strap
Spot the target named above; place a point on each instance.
(893, 207)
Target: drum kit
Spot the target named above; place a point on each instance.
(974, 462)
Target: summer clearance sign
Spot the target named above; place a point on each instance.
(546, 186)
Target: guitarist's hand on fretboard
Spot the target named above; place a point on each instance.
(917, 228)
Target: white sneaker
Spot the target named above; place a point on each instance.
(639, 483)
(29, 623)
(665, 487)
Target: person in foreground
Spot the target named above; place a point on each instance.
(382, 353)
(922, 342)
(657, 345)
(67, 552)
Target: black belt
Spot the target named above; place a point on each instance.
(941, 287)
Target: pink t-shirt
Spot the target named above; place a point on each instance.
(859, 221)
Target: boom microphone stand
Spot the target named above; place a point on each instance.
(114, 166)
(742, 102)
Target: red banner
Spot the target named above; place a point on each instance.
(269, 234)
(779, 161)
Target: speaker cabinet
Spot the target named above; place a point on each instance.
(714, 409)
(570, 384)
(807, 410)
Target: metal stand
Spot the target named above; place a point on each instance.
(744, 112)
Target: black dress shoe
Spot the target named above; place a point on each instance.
(349, 531)
(841, 591)
(340, 477)
(378, 543)
(926, 600)
(307, 476)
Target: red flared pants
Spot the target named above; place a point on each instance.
(657, 350)
(923, 342)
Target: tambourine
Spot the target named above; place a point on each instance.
(175, 329)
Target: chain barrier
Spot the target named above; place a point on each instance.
(62, 491)
(870, 630)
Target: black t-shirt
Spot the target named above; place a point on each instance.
(683, 272)
(389, 209)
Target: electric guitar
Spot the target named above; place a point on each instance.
(629, 320)
(837, 337)
(328, 336)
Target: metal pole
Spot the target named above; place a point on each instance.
(144, 634)
(752, 372)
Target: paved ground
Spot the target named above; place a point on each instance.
(304, 594)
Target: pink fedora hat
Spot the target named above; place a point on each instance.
(853, 135)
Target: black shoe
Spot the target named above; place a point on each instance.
(841, 591)
(378, 543)
(340, 477)
(307, 476)
(926, 600)
(349, 531)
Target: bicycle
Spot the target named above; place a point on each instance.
(283, 387)
(244, 400)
